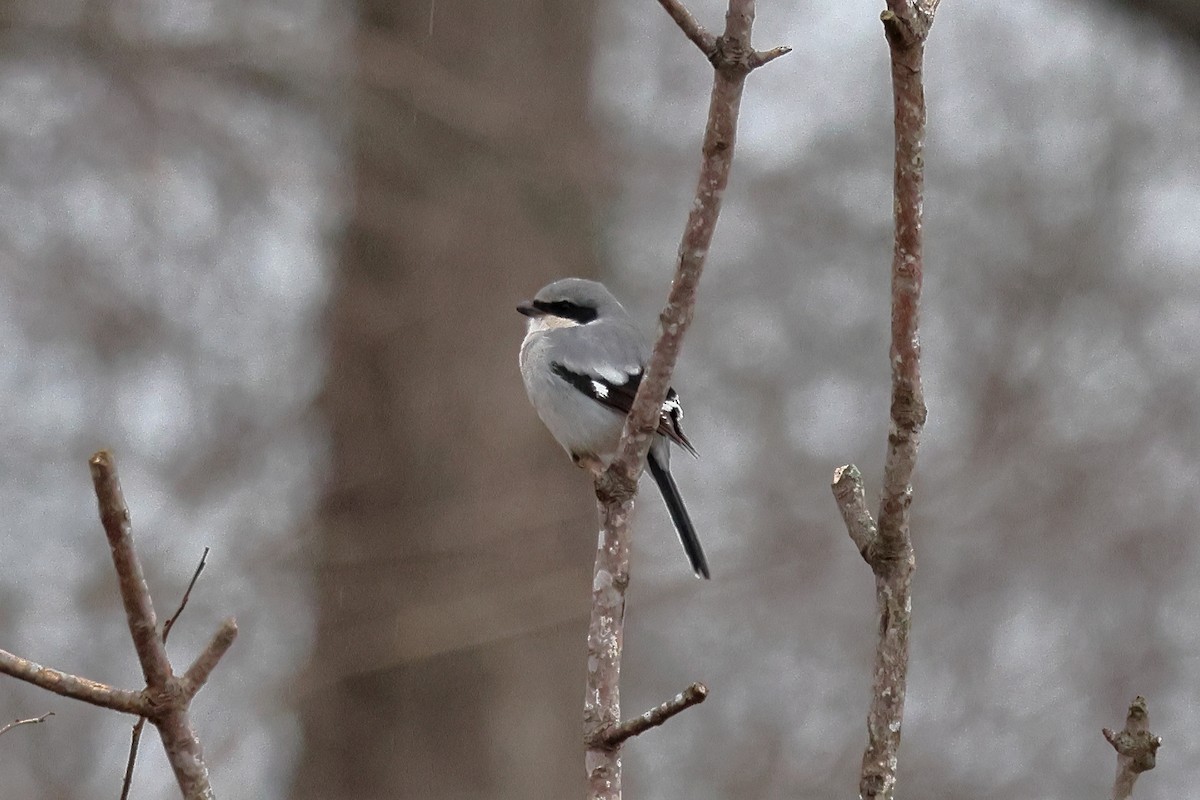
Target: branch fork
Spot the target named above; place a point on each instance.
(885, 541)
(166, 696)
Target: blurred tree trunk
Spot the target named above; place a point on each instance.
(1180, 16)
(455, 539)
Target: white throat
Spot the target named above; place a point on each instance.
(548, 322)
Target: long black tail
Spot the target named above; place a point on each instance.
(679, 515)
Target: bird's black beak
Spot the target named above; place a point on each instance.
(527, 308)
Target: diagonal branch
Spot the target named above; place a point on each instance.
(887, 546)
(197, 674)
(694, 695)
(135, 595)
(30, 721)
(691, 27)
(733, 59)
(67, 685)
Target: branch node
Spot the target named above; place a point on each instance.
(851, 500)
(613, 736)
(616, 485)
(763, 57)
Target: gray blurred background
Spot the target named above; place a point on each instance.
(268, 252)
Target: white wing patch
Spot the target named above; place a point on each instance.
(600, 389)
(671, 405)
(617, 376)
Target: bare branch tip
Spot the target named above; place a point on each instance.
(102, 466)
(31, 721)
(847, 472)
(613, 736)
(763, 57)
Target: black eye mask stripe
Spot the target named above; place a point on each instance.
(567, 310)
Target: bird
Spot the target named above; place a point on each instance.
(582, 361)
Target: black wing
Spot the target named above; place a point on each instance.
(619, 397)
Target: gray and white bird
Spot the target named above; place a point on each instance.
(582, 361)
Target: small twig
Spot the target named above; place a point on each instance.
(136, 737)
(197, 674)
(1136, 747)
(694, 695)
(30, 721)
(852, 502)
(134, 740)
(187, 594)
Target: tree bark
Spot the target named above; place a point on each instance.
(455, 537)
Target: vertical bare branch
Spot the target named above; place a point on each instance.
(733, 59)
(1136, 746)
(887, 547)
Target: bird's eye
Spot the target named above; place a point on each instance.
(567, 310)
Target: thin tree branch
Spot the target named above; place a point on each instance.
(135, 594)
(165, 699)
(694, 695)
(30, 721)
(187, 595)
(136, 737)
(691, 27)
(852, 502)
(67, 685)
(733, 59)
(197, 674)
(887, 546)
(1136, 746)
(134, 741)
(760, 58)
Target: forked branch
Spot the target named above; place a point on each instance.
(733, 59)
(165, 699)
(886, 544)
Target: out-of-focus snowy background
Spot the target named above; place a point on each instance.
(268, 253)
